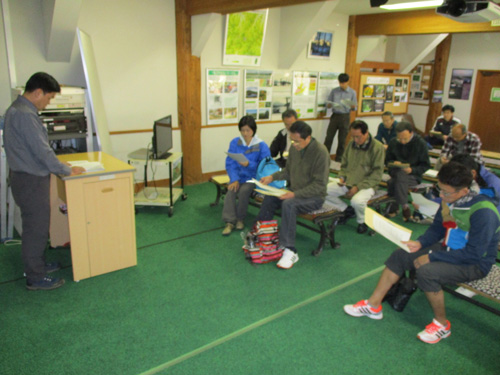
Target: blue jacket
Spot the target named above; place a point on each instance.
(255, 152)
(482, 238)
(492, 181)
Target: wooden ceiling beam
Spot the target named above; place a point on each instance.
(195, 7)
(415, 22)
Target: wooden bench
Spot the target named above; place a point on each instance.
(488, 287)
(325, 219)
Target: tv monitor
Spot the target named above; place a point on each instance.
(162, 137)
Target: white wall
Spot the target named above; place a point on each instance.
(135, 51)
(471, 51)
(216, 140)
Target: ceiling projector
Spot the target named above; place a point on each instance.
(469, 10)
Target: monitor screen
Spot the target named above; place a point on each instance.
(162, 137)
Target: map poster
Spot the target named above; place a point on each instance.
(327, 82)
(258, 101)
(244, 38)
(222, 96)
(304, 89)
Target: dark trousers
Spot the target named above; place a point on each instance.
(32, 195)
(431, 276)
(289, 210)
(340, 122)
(399, 183)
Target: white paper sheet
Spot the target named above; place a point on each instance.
(425, 206)
(390, 230)
(240, 158)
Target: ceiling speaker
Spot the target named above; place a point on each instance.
(377, 3)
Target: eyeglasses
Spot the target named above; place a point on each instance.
(445, 193)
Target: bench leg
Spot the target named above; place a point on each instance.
(330, 234)
(219, 194)
(321, 244)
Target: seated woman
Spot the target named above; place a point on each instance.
(254, 149)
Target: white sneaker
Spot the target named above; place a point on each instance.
(288, 259)
(434, 332)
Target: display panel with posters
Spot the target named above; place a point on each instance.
(327, 82)
(380, 92)
(244, 38)
(421, 77)
(222, 96)
(282, 92)
(304, 93)
(258, 97)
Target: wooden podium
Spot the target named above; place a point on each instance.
(101, 215)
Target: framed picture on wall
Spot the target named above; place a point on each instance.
(320, 46)
(460, 84)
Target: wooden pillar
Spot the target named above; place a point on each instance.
(188, 95)
(351, 67)
(437, 81)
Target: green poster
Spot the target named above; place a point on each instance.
(495, 94)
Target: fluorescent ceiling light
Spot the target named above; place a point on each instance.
(416, 4)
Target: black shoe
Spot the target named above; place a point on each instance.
(347, 214)
(362, 228)
(47, 283)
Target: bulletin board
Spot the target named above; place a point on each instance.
(380, 92)
(421, 77)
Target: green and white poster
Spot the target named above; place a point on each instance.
(282, 92)
(495, 94)
(244, 38)
(258, 94)
(327, 82)
(304, 93)
(222, 96)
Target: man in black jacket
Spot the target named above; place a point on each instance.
(281, 143)
(407, 158)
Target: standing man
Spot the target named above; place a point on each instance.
(31, 161)
(386, 129)
(343, 100)
(281, 143)
(407, 159)
(461, 141)
(307, 169)
(360, 172)
(470, 226)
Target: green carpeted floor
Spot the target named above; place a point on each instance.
(193, 305)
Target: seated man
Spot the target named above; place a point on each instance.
(307, 170)
(460, 141)
(281, 143)
(407, 158)
(386, 129)
(443, 125)
(360, 172)
(468, 254)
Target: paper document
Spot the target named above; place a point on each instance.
(266, 189)
(398, 165)
(348, 103)
(390, 230)
(425, 206)
(240, 158)
(431, 173)
(338, 106)
(89, 166)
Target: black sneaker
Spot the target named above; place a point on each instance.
(47, 283)
(52, 267)
(347, 214)
(362, 228)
